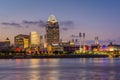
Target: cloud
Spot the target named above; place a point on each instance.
(12, 24)
(64, 25)
(74, 36)
(67, 23)
(64, 29)
(37, 23)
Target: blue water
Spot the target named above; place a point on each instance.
(60, 69)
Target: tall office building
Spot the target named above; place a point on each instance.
(34, 39)
(52, 31)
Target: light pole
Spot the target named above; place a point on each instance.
(80, 35)
(83, 41)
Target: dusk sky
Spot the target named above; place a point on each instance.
(94, 17)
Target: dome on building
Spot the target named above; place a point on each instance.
(52, 18)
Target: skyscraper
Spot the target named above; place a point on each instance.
(52, 31)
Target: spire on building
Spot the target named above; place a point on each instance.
(7, 39)
(52, 18)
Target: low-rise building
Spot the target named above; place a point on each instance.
(22, 41)
(113, 47)
(5, 45)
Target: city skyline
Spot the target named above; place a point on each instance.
(94, 17)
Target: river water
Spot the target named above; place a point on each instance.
(60, 69)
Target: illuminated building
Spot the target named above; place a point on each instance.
(34, 39)
(95, 47)
(21, 41)
(113, 47)
(52, 31)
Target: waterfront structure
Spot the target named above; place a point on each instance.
(52, 31)
(96, 40)
(75, 48)
(34, 39)
(7, 41)
(113, 47)
(5, 45)
(95, 47)
(21, 41)
(82, 41)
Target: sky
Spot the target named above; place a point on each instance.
(94, 17)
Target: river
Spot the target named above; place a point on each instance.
(60, 69)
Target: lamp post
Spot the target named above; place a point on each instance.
(80, 35)
(83, 41)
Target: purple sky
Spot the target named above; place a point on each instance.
(94, 17)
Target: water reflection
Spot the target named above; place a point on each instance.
(18, 61)
(42, 69)
(60, 69)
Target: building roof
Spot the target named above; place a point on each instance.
(52, 18)
(7, 38)
(23, 35)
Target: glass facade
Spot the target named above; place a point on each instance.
(52, 31)
(34, 39)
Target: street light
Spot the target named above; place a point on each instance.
(82, 40)
(80, 35)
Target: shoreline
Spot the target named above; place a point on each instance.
(56, 56)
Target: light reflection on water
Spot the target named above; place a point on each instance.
(60, 69)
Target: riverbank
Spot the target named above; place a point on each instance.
(56, 56)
